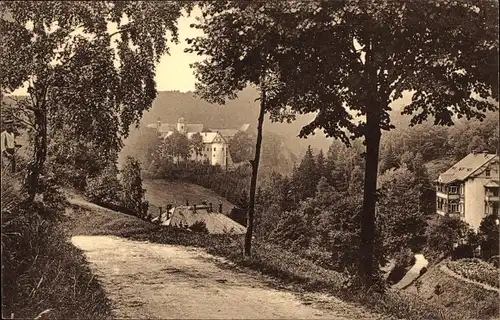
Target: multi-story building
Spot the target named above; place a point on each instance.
(469, 189)
(215, 141)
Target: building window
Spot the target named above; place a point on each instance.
(214, 155)
(215, 149)
(488, 173)
(453, 190)
(454, 208)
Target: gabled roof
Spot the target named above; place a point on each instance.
(210, 137)
(215, 222)
(461, 170)
(229, 133)
(492, 184)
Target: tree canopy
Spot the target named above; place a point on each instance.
(83, 76)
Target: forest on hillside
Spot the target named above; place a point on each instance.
(314, 208)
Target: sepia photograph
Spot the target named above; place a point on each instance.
(250, 159)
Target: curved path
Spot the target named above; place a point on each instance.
(153, 281)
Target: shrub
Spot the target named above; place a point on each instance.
(443, 236)
(199, 226)
(105, 188)
(11, 195)
(489, 234)
(133, 197)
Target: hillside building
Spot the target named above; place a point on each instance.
(189, 215)
(215, 141)
(469, 189)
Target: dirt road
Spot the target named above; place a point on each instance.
(153, 281)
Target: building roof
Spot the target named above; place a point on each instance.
(227, 133)
(461, 170)
(492, 184)
(215, 222)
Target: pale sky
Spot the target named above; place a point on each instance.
(173, 71)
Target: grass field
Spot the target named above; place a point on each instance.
(160, 193)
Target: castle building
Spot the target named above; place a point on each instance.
(215, 141)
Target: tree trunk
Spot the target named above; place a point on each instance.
(39, 153)
(367, 263)
(372, 136)
(255, 168)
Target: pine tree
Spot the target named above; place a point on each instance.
(306, 176)
(388, 159)
(321, 164)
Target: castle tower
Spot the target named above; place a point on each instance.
(181, 126)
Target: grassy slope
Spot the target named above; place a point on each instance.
(160, 193)
(282, 266)
(42, 273)
(458, 296)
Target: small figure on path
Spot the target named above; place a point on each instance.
(9, 145)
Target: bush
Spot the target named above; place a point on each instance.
(133, 193)
(495, 261)
(105, 188)
(489, 234)
(199, 226)
(445, 234)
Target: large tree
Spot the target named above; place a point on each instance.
(238, 42)
(89, 66)
(349, 60)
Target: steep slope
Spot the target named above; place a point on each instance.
(465, 298)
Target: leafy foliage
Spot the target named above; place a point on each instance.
(241, 147)
(375, 53)
(400, 216)
(105, 188)
(306, 176)
(133, 192)
(443, 236)
(80, 74)
(239, 212)
(489, 234)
